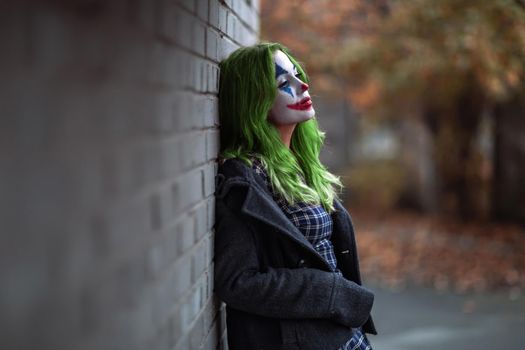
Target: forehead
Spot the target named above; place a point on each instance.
(282, 61)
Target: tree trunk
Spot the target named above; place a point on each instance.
(457, 179)
(509, 161)
(417, 159)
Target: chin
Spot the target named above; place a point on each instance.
(310, 115)
(305, 119)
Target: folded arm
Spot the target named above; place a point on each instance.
(280, 292)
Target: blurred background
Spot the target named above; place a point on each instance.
(423, 105)
(109, 134)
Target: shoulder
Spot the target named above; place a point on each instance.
(234, 178)
(234, 168)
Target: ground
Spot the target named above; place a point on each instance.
(440, 284)
(440, 253)
(418, 318)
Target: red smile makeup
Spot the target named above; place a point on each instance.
(303, 105)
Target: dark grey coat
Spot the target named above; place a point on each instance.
(279, 292)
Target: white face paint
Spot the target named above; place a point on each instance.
(292, 104)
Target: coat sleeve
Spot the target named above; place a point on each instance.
(280, 292)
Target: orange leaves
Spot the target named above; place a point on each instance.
(365, 96)
(404, 248)
(402, 49)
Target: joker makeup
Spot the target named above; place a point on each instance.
(292, 104)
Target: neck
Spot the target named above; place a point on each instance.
(286, 132)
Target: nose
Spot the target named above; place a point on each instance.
(304, 86)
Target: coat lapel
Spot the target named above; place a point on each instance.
(263, 208)
(343, 239)
(341, 228)
(260, 205)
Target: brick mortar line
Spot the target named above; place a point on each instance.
(223, 35)
(247, 25)
(141, 246)
(189, 292)
(209, 25)
(174, 44)
(185, 255)
(148, 189)
(213, 323)
(244, 23)
(181, 300)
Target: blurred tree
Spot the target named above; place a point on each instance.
(509, 149)
(316, 29)
(445, 61)
(451, 60)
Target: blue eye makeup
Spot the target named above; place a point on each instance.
(285, 85)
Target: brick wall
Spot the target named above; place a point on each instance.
(108, 141)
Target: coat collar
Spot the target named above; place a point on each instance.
(260, 205)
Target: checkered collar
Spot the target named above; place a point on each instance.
(258, 202)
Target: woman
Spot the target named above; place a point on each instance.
(285, 256)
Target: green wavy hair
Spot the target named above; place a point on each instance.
(247, 91)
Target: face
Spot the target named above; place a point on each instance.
(292, 104)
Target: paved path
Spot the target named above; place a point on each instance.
(422, 319)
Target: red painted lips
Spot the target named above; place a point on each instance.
(304, 104)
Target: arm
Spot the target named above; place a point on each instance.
(280, 292)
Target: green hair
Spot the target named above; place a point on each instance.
(246, 94)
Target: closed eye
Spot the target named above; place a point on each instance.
(283, 84)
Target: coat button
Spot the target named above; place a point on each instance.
(301, 263)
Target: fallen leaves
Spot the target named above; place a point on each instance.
(403, 248)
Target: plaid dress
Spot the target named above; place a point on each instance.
(316, 225)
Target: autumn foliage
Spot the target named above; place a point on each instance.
(446, 62)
